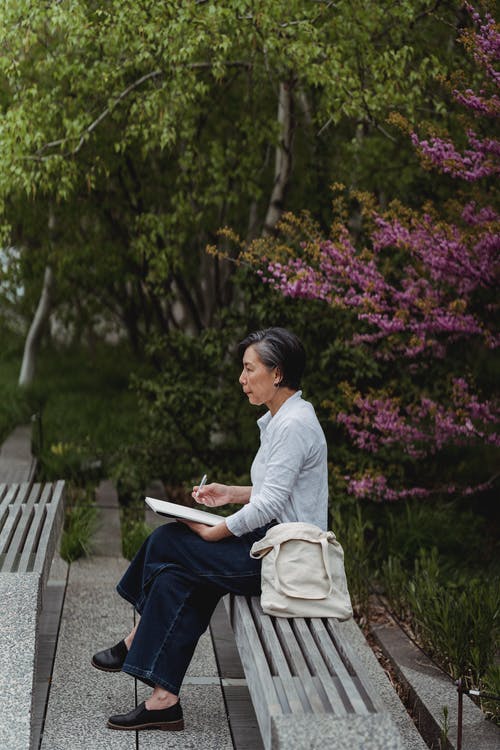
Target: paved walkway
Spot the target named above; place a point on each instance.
(81, 697)
(217, 709)
(16, 462)
(82, 613)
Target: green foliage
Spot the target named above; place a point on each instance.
(192, 410)
(460, 536)
(490, 683)
(132, 131)
(351, 529)
(459, 622)
(134, 533)
(87, 410)
(395, 581)
(14, 406)
(445, 728)
(456, 618)
(446, 590)
(79, 523)
(129, 470)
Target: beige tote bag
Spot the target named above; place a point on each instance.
(302, 572)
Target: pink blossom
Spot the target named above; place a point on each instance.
(420, 287)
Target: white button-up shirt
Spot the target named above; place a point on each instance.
(289, 473)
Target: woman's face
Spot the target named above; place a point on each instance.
(256, 379)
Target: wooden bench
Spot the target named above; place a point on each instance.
(30, 521)
(31, 517)
(306, 683)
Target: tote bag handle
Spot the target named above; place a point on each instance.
(283, 588)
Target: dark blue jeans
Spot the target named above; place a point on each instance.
(174, 582)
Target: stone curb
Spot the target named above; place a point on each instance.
(430, 690)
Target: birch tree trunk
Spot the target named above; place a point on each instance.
(283, 161)
(35, 332)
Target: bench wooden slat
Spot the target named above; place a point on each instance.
(24, 516)
(17, 514)
(23, 524)
(317, 665)
(34, 495)
(337, 666)
(14, 491)
(50, 532)
(300, 667)
(39, 520)
(31, 516)
(26, 561)
(5, 524)
(7, 495)
(355, 666)
(13, 513)
(266, 691)
(310, 659)
(19, 492)
(272, 648)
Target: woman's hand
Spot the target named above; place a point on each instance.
(221, 494)
(208, 533)
(212, 494)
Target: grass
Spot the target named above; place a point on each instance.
(14, 406)
(86, 410)
(79, 523)
(134, 533)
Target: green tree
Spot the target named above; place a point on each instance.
(131, 131)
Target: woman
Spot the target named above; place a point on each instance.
(183, 568)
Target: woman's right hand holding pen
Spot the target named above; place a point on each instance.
(212, 494)
(215, 494)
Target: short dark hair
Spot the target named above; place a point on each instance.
(278, 347)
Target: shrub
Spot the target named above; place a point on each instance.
(456, 620)
(491, 684)
(79, 523)
(351, 530)
(134, 533)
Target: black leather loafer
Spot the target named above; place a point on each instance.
(111, 659)
(169, 719)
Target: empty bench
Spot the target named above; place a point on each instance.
(307, 685)
(31, 517)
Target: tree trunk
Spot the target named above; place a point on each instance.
(283, 162)
(35, 332)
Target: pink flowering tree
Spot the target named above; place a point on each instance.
(422, 293)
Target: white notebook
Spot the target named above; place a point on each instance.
(164, 508)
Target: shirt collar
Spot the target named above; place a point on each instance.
(263, 421)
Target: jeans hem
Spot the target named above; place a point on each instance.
(152, 677)
(136, 604)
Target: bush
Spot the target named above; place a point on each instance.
(461, 537)
(134, 533)
(15, 407)
(491, 684)
(79, 523)
(456, 620)
(88, 413)
(351, 530)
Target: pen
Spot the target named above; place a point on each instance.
(203, 480)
